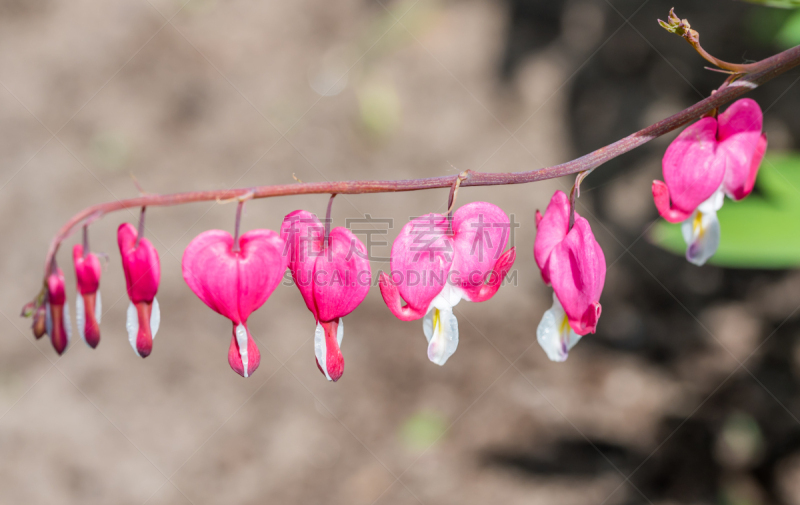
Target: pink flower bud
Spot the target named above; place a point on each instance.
(88, 304)
(142, 275)
(332, 275)
(57, 312)
(235, 283)
(432, 270)
(571, 261)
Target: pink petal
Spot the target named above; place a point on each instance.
(480, 234)
(661, 199)
(56, 293)
(334, 361)
(550, 231)
(494, 278)
(742, 146)
(578, 271)
(303, 234)
(87, 270)
(421, 259)
(56, 298)
(210, 270)
(261, 267)
(235, 354)
(234, 284)
(692, 171)
(141, 264)
(743, 164)
(342, 276)
(391, 296)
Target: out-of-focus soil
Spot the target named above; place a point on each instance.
(218, 94)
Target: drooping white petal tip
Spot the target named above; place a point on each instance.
(441, 329)
(321, 346)
(554, 334)
(80, 317)
(241, 341)
(132, 326)
(701, 231)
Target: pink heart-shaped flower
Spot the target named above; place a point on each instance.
(235, 283)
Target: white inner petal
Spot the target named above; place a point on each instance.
(98, 307)
(321, 349)
(447, 298)
(132, 325)
(80, 316)
(155, 318)
(67, 325)
(554, 333)
(701, 231)
(441, 329)
(241, 341)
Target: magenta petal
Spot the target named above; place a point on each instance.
(578, 271)
(141, 264)
(87, 270)
(56, 298)
(391, 296)
(661, 199)
(236, 353)
(480, 234)
(421, 259)
(210, 270)
(692, 171)
(234, 284)
(334, 361)
(550, 231)
(261, 267)
(741, 146)
(743, 164)
(342, 276)
(303, 234)
(493, 279)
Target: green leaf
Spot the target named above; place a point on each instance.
(761, 231)
(789, 34)
(783, 4)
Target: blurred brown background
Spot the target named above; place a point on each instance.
(687, 394)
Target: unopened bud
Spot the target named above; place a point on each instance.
(39, 322)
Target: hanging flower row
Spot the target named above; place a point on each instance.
(436, 261)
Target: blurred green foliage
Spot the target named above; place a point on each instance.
(761, 231)
(789, 34)
(784, 4)
(422, 430)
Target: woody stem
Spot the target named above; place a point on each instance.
(768, 69)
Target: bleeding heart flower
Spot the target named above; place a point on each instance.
(88, 304)
(333, 276)
(573, 262)
(57, 312)
(235, 283)
(711, 157)
(432, 270)
(142, 275)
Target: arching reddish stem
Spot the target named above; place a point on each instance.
(767, 69)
